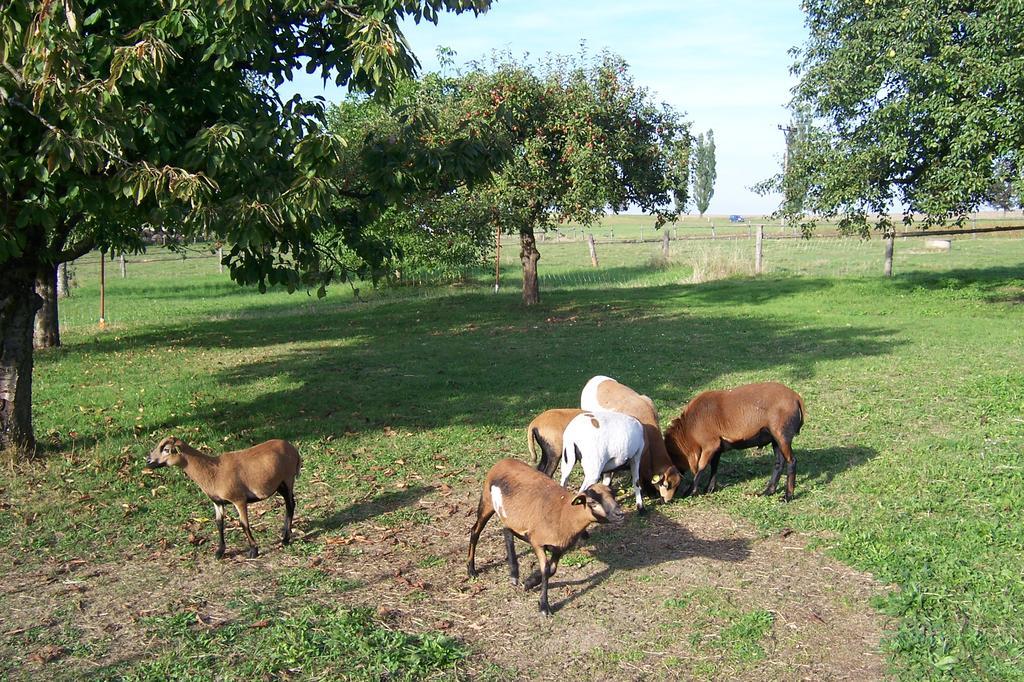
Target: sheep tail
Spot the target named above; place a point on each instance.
(801, 413)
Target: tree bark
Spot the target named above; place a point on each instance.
(529, 255)
(63, 281)
(47, 331)
(18, 305)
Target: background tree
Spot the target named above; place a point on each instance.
(583, 137)
(1004, 191)
(916, 101)
(679, 163)
(118, 114)
(704, 172)
(793, 180)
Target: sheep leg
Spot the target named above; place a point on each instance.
(773, 482)
(713, 481)
(787, 453)
(219, 513)
(513, 560)
(634, 469)
(567, 465)
(484, 512)
(289, 512)
(542, 565)
(243, 517)
(702, 463)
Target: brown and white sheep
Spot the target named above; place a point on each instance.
(535, 509)
(657, 470)
(546, 430)
(238, 477)
(743, 417)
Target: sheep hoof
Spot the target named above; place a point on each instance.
(642, 511)
(253, 552)
(545, 610)
(471, 571)
(219, 554)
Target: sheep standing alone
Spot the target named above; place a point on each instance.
(657, 469)
(537, 510)
(603, 442)
(744, 417)
(546, 430)
(238, 477)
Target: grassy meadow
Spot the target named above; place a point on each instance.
(910, 465)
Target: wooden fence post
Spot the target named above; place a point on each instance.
(664, 244)
(103, 289)
(758, 250)
(641, 235)
(220, 259)
(593, 249)
(712, 230)
(890, 242)
(497, 258)
(124, 267)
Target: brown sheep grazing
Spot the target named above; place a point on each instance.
(238, 477)
(657, 470)
(547, 429)
(743, 417)
(537, 510)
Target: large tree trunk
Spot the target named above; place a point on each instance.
(63, 281)
(47, 331)
(529, 256)
(18, 305)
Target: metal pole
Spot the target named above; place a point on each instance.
(758, 250)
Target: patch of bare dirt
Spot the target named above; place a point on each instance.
(645, 600)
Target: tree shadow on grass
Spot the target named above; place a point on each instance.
(814, 467)
(477, 359)
(647, 541)
(366, 509)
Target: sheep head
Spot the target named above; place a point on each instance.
(166, 453)
(667, 483)
(601, 504)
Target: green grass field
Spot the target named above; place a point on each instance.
(911, 464)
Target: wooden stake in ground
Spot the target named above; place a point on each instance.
(103, 289)
(220, 259)
(664, 244)
(593, 249)
(890, 243)
(497, 259)
(124, 267)
(758, 249)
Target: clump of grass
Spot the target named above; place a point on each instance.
(711, 263)
(320, 641)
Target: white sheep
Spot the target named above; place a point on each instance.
(604, 441)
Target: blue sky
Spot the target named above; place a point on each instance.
(724, 64)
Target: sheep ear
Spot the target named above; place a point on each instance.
(580, 499)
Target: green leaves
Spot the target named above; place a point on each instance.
(917, 103)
